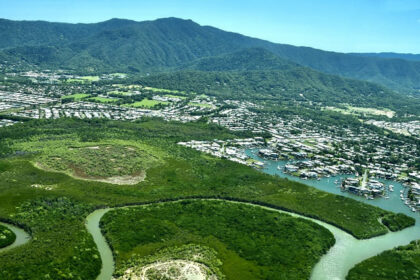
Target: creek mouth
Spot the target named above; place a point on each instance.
(334, 265)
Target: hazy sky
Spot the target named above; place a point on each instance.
(338, 25)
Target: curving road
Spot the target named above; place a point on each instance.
(334, 265)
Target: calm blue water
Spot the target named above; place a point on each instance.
(394, 203)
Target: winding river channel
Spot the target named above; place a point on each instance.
(21, 237)
(334, 265)
(346, 252)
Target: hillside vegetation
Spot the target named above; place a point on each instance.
(296, 84)
(124, 45)
(400, 263)
(52, 206)
(250, 242)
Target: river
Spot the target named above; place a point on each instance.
(21, 237)
(349, 251)
(334, 265)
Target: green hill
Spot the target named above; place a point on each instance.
(295, 84)
(124, 45)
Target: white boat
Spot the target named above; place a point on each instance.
(401, 191)
(413, 209)
(406, 202)
(391, 188)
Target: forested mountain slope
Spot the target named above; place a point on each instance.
(160, 45)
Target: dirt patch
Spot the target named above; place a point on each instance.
(123, 180)
(93, 148)
(117, 180)
(171, 270)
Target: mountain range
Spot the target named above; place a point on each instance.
(165, 44)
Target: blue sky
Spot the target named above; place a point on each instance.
(337, 25)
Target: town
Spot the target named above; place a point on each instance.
(311, 150)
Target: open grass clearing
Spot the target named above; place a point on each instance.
(351, 110)
(122, 163)
(147, 103)
(163, 90)
(175, 96)
(76, 96)
(103, 99)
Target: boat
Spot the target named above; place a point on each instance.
(413, 209)
(401, 191)
(391, 188)
(406, 202)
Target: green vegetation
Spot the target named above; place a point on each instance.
(76, 96)
(286, 86)
(120, 93)
(92, 161)
(250, 241)
(362, 111)
(147, 103)
(103, 99)
(92, 48)
(402, 263)
(91, 78)
(60, 249)
(84, 79)
(163, 90)
(175, 96)
(398, 221)
(7, 236)
(55, 213)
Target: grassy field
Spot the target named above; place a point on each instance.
(147, 103)
(128, 86)
(7, 236)
(363, 111)
(175, 96)
(402, 263)
(103, 99)
(93, 161)
(163, 90)
(248, 241)
(61, 247)
(84, 79)
(76, 96)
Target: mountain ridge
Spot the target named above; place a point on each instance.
(165, 44)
